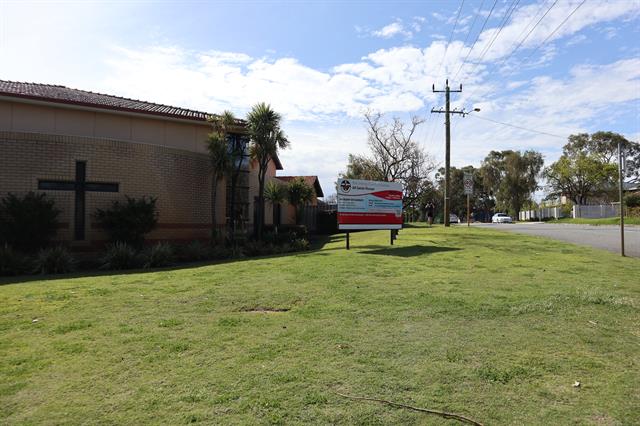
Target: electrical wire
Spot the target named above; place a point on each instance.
(554, 31)
(450, 38)
(541, 44)
(518, 127)
(473, 24)
(476, 40)
(506, 17)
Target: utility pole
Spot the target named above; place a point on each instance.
(620, 189)
(447, 156)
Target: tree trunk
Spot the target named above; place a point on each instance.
(214, 193)
(260, 224)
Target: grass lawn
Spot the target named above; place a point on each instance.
(491, 325)
(603, 221)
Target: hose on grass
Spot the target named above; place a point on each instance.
(444, 414)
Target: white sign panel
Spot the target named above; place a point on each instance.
(366, 204)
(468, 183)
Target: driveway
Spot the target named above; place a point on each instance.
(605, 237)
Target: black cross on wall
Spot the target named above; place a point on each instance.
(80, 186)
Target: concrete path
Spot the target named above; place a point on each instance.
(605, 237)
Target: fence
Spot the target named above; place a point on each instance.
(541, 213)
(596, 211)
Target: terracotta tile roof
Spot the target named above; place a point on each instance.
(66, 95)
(312, 181)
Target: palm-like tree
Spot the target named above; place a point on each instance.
(276, 194)
(299, 195)
(219, 157)
(266, 139)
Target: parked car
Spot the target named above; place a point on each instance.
(453, 218)
(501, 218)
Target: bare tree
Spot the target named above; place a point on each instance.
(395, 156)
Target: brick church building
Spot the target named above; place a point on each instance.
(85, 150)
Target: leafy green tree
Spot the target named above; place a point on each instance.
(603, 146)
(580, 177)
(300, 194)
(219, 157)
(361, 167)
(267, 138)
(481, 201)
(511, 177)
(587, 168)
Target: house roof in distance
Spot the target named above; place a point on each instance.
(312, 181)
(65, 95)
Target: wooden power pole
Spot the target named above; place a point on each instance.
(447, 156)
(621, 194)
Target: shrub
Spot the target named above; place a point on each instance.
(130, 221)
(54, 260)
(297, 231)
(27, 223)
(258, 248)
(159, 255)
(300, 244)
(221, 252)
(194, 251)
(632, 200)
(12, 262)
(121, 256)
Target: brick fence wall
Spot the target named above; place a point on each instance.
(179, 179)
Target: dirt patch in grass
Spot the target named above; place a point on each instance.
(264, 310)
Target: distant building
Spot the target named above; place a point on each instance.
(85, 150)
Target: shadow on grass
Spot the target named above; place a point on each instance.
(410, 251)
(316, 244)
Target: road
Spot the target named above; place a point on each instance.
(605, 237)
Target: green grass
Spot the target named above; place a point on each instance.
(602, 221)
(495, 326)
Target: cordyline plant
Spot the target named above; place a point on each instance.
(266, 139)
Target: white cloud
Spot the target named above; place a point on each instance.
(398, 28)
(322, 108)
(391, 30)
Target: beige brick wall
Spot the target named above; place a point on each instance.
(180, 179)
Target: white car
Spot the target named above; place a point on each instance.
(453, 218)
(501, 218)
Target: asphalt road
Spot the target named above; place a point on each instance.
(605, 237)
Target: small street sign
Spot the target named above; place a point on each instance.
(468, 183)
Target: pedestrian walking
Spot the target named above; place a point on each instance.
(430, 209)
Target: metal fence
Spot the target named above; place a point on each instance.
(596, 211)
(578, 211)
(541, 213)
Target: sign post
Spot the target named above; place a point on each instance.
(468, 189)
(365, 204)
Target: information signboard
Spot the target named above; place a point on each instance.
(365, 204)
(468, 183)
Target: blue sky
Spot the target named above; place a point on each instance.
(323, 63)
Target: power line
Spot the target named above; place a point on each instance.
(450, 38)
(541, 44)
(554, 31)
(519, 127)
(476, 40)
(506, 17)
(522, 40)
(529, 33)
(473, 24)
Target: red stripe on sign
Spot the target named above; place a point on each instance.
(388, 195)
(369, 218)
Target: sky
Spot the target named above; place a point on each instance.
(551, 68)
